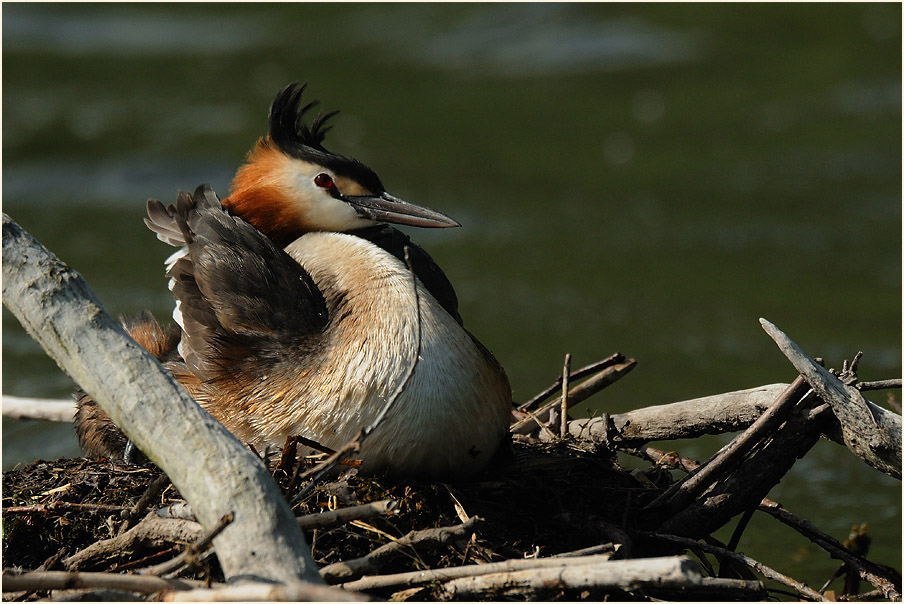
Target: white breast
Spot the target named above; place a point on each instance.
(450, 413)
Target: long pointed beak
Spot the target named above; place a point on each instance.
(386, 208)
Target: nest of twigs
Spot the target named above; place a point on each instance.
(549, 499)
(553, 517)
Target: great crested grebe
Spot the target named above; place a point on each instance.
(298, 312)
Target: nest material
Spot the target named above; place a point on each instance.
(552, 498)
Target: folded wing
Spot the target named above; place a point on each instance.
(242, 302)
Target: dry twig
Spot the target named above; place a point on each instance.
(191, 553)
(352, 569)
(575, 375)
(297, 591)
(151, 528)
(673, 573)
(144, 501)
(343, 515)
(55, 579)
(61, 506)
(563, 417)
(886, 579)
(611, 374)
(759, 567)
(729, 458)
(321, 469)
(422, 577)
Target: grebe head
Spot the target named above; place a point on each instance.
(291, 185)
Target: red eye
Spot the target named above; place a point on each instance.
(324, 181)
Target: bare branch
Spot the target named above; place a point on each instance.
(266, 592)
(886, 579)
(208, 465)
(58, 579)
(624, 575)
(151, 528)
(352, 569)
(583, 372)
(728, 412)
(421, 577)
(584, 390)
(342, 515)
(759, 567)
(721, 463)
(18, 407)
(873, 436)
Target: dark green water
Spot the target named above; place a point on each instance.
(650, 179)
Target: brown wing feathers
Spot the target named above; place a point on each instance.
(237, 292)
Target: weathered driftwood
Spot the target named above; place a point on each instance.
(728, 412)
(752, 478)
(151, 528)
(673, 573)
(208, 465)
(732, 455)
(18, 407)
(296, 591)
(421, 577)
(720, 413)
(801, 588)
(875, 437)
(41, 580)
(174, 590)
(356, 512)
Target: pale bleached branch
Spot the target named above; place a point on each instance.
(871, 433)
(60, 579)
(422, 577)
(296, 591)
(678, 573)
(352, 569)
(208, 465)
(52, 410)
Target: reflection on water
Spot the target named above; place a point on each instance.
(549, 40)
(138, 33)
(643, 178)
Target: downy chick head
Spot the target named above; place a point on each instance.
(290, 184)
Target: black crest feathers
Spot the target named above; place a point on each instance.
(288, 130)
(304, 141)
